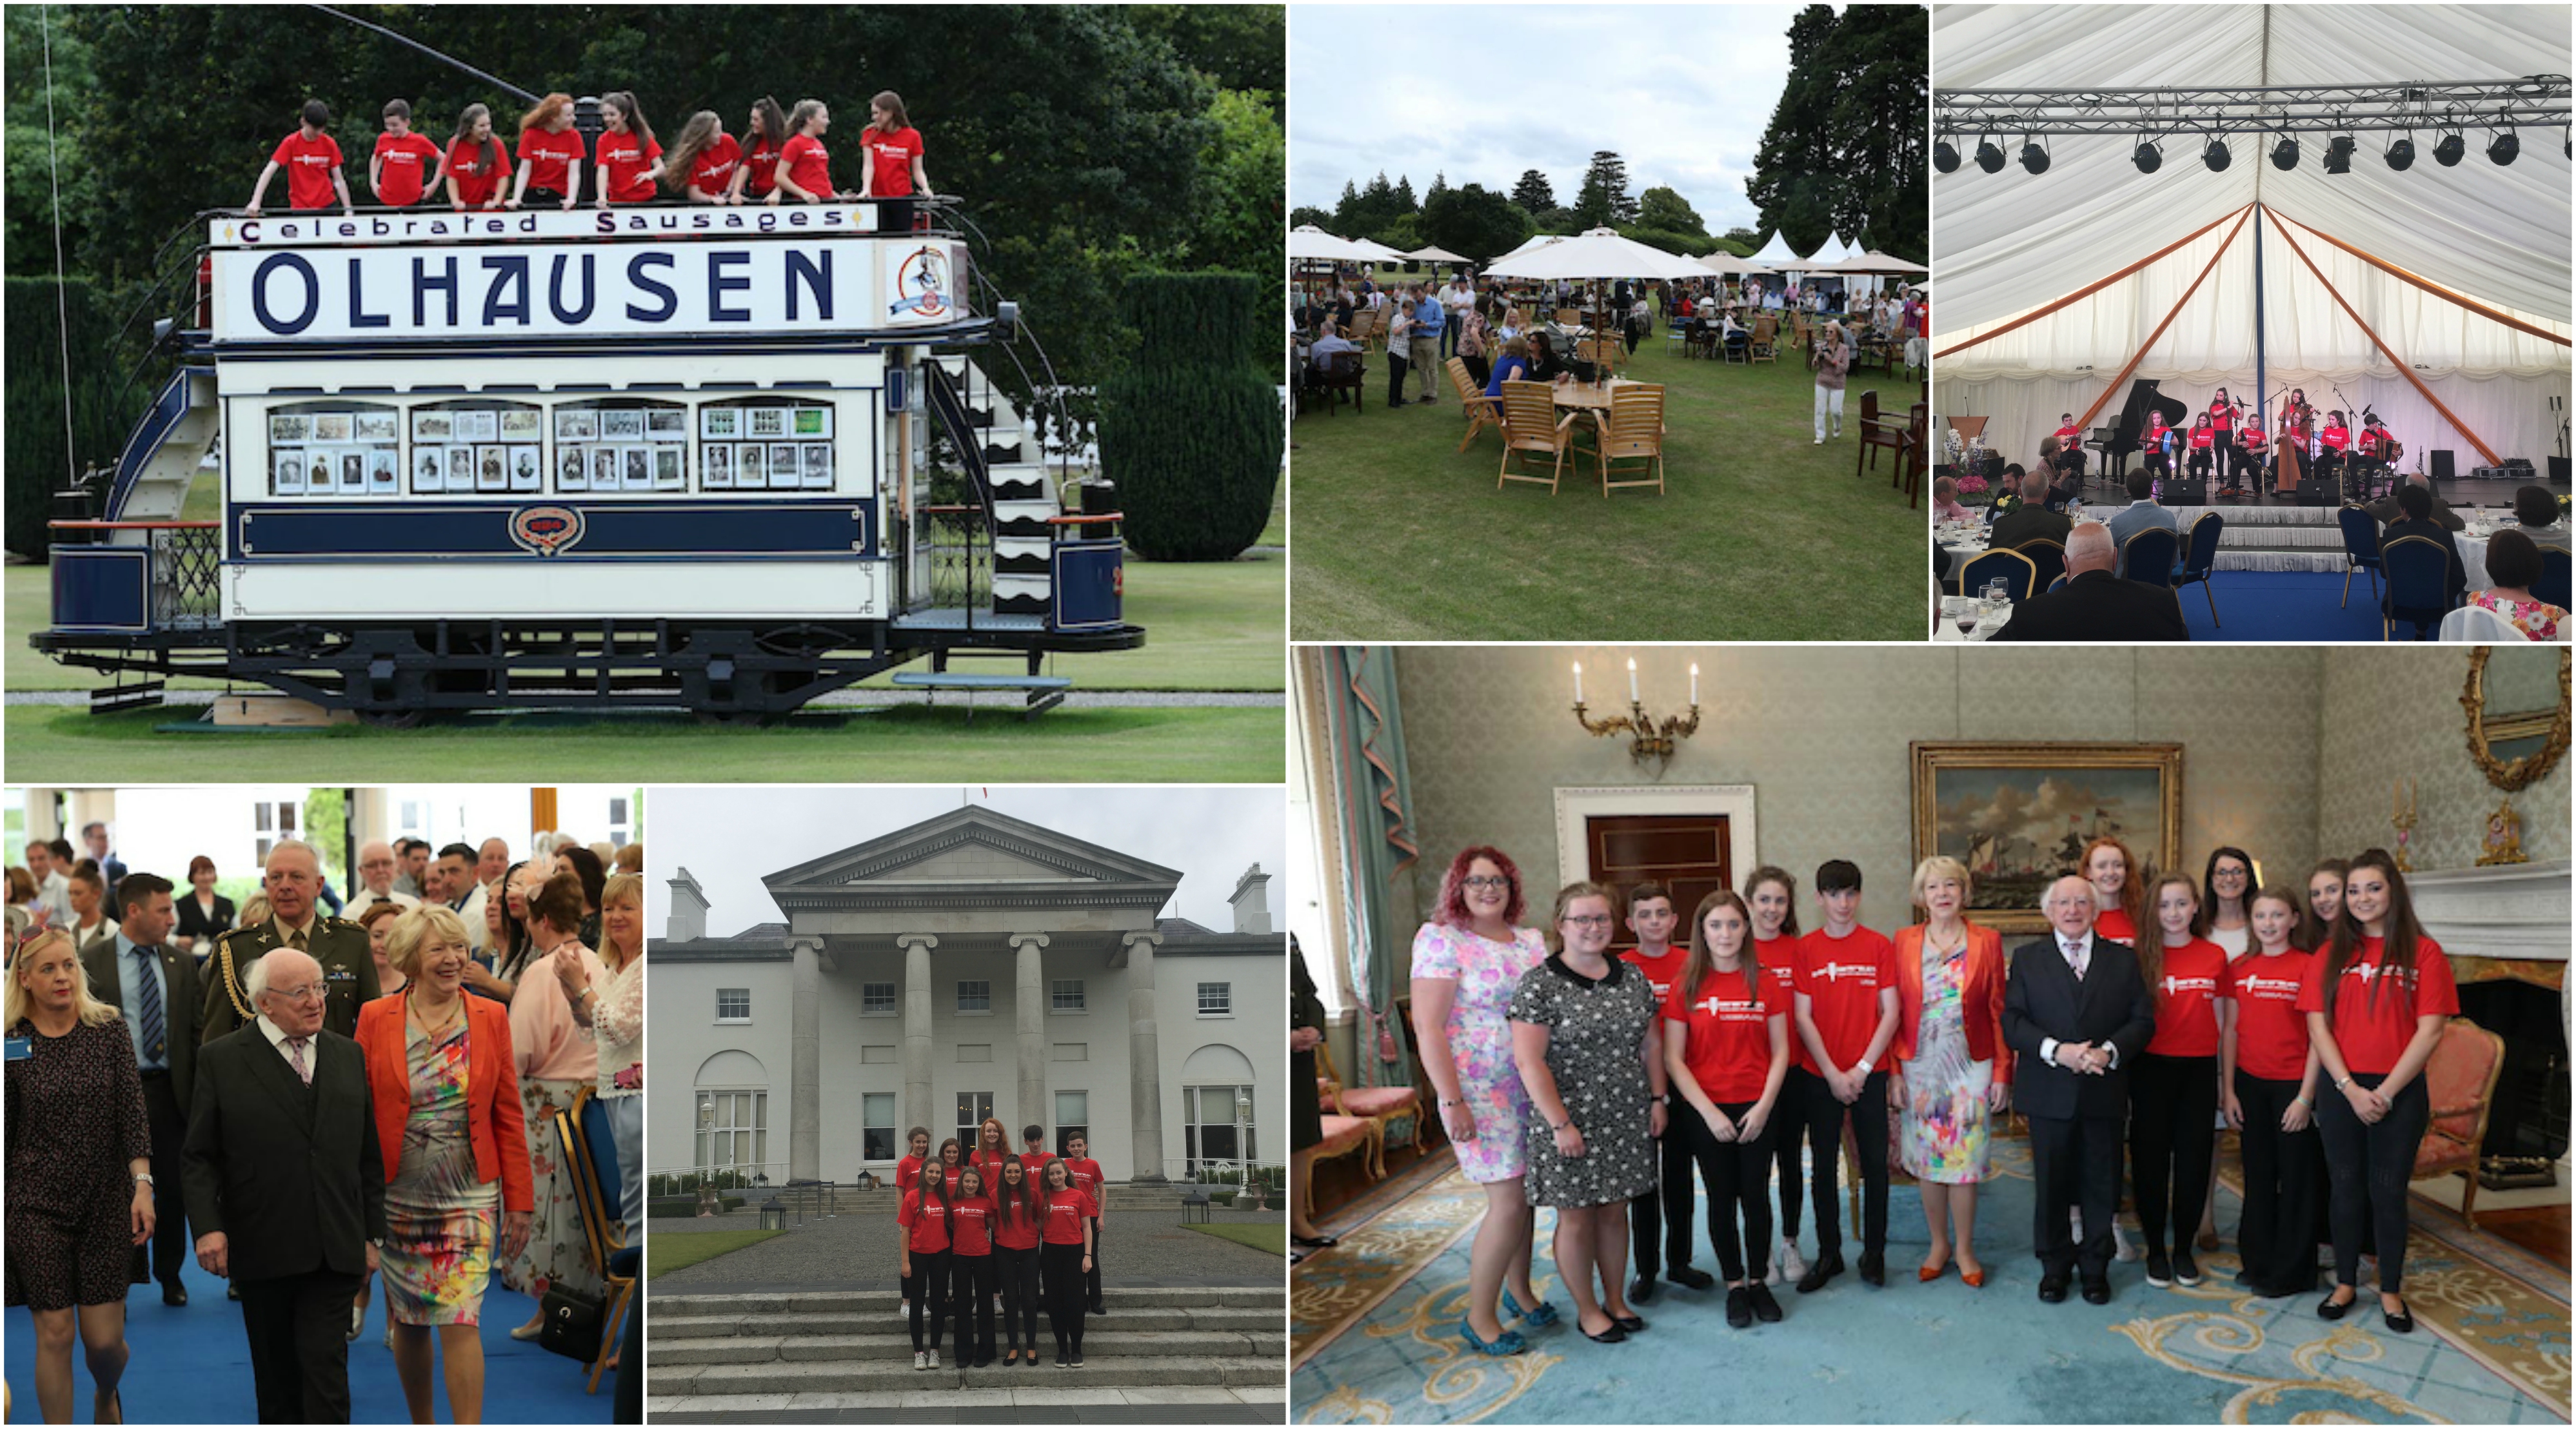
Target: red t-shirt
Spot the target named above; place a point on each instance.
(808, 163)
(2201, 437)
(1034, 1164)
(1066, 1211)
(712, 173)
(2070, 438)
(2373, 1022)
(2221, 416)
(1086, 1178)
(953, 1173)
(929, 1222)
(907, 1173)
(2253, 435)
(549, 157)
(2271, 1032)
(2335, 437)
(1015, 1227)
(890, 159)
(404, 163)
(2187, 991)
(1842, 978)
(990, 1163)
(478, 175)
(623, 158)
(2113, 925)
(308, 164)
(1727, 1033)
(1661, 973)
(762, 161)
(970, 1226)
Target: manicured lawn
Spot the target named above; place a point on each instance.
(678, 1250)
(1760, 535)
(1272, 1238)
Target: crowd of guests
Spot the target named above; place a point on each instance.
(995, 1227)
(2162, 1005)
(306, 1103)
(780, 156)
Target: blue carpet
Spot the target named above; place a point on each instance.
(2284, 605)
(1939, 1353)
(192, 1366)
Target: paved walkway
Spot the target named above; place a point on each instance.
(1142, 1249)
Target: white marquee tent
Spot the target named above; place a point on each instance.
(2012, 244)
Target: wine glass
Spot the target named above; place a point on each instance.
(1967, 613)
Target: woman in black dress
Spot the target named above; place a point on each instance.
(204, 914)
(1306, 1117)
(80, 1172)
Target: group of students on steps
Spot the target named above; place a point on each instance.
(1023, 1228)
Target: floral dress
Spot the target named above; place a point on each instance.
(1942, 1135)
(1596, 1036)
(1480, 1037)
(438, 1213)
(2536, 619)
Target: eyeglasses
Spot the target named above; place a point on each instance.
(310, 992)
(1485, 881)
(1597, 920)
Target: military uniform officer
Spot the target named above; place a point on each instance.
(292, 880)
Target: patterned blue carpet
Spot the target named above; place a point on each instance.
(2489, 1346)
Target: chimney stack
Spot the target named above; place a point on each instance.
(688, 921)
(1251, 901)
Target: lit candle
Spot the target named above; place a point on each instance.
(1632, 682)
(1578, 682)
(1694, 684)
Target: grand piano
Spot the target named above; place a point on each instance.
(2119, 441)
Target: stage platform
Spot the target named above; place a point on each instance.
(2269, 533)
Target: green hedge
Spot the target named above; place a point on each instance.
(1190, 428)
(37, 465)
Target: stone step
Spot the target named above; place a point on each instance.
(671, 1327)
(1098, 1339)
(893, 1376)
(801, 1303)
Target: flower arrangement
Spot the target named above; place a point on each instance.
(1972, 485)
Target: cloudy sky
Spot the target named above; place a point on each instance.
(731, 838)
(1681, 92)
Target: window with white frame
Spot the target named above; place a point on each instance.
(974, 995)
(1067, 995)
(733, 1129)
(972, 1108)
(1072, 1119)
(876, 1126)
(1216, 999)
(1217, 1125)
(733, 1004)
(876, 999)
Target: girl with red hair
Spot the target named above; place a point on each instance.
(2119, 888)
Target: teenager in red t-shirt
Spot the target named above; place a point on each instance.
(629, 158)
(1088, 1180)
(476, 162)
(2118, 898)
(924, 1218)
(550, 155)
(1034, 1156)
(1726, 1054)
(1065, 1257)
(755, 180)
(702, 161)
(2269, 1065)
(971, 1282)
(2325, 904)
(311, 159)
(1845, 978)
(907, 1178)
(405, 164)
(992, 1148)
(2203, 448)
(1772, 893)
(2376, 999)
(804, 170)
(2173, 1089)
(1663, 1214)
(1018, 1216)
(893, 169)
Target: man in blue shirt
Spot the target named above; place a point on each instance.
(1427, 319)
(2137, 516)
(155, 986)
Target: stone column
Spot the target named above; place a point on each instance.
(805, 1063)
(1031, 1004)
(916, 1031)
(1144, 1059)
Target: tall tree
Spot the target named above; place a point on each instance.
(1405, 202)
(1473, 221)
(1532, 193)
(1604, 198)
(1665, 208)
(1844, 150)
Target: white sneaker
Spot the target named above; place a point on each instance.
(934, 1359)
(1788, 1267)
(1820, 441)
(903, 1307)
(920, 1360)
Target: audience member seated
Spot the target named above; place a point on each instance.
(2095, 604)
(2415, 518)
(2139, 514)
(2032, 520)
(1512, 366)
(1331, 342)
(2386, 511)
(2513, 563)
(2537, 510)
(1945, 501)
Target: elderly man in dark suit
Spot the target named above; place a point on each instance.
(2095, 604)
(287, 1186)
(2076, 1012)
(155, 986)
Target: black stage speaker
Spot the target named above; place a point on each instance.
(2558, 469)
(2186, 491)
(2443, 470)
(2316, 491)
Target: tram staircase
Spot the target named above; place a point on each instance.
(1005, 461)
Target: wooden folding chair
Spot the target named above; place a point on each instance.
(1530, 424)
(1765, 346)
(1481, 411)
(1634, 431)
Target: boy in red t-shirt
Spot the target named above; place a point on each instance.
(405, 165)
(1668, 1208)
(1034, 1159)
(1845, 1017)
(1088, 1180)
(311, 159)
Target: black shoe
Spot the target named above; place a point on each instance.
(2097, 1292)
(1098, 1308)
(2052, 1287)
(2327, 1309)
(2403, 1322)
(1691, 1277)
(1873, 1268)
(1317, 1242)
(1642, 1288)
(1612, 1336)
(1739, 1306)
(2244, 1280)
(1633, 1324)
(1077, 1359)
(1059, 1359)
(1826, 1266)
(174, 1293)
(2159, 1268)
(2186, 1270)
(1765, 1309)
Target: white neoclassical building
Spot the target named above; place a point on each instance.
(970, 965)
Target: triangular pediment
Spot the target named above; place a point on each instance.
(967, 847)
(972, 859)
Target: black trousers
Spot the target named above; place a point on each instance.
(1478, 368)
(2367, 1169)
(2173, 1112)
(971, 1282)
(2075, 1162)
(2277, 1235)
(1019, 1274)
(1788, 1148)
(299, 1345)
(1868, 1116)
(1063, 1266)
(1091, 1281)
(1734, 1173)
(1666, 1210)
(2159, 464)
(1395, 366)
(171, 1246)
(2202, 458)
(927, 1288)
(536, 196)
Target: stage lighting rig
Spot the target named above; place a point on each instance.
(1945, 156)
(2339, 154)
(2447, 153)
(2285, 154)
(2147, 156)
(2035, 159)
(2503, 147)
(1989, 157)
(2401, 155)
(2215, 155)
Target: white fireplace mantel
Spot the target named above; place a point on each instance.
(2515, 911)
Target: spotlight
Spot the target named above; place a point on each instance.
(2216, 155)
(2401, 154)
(2447, 153)
(2285, 155)
(1990, 158)
(2033, 157)
(2148, 157)
(2339, 154)
(1945, 157)
(2503, 147)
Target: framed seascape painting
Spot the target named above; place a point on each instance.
(2019, 814)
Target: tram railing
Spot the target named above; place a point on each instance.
(97, 584)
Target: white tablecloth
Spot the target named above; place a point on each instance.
(2473, 558)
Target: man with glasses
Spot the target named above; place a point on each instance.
(292, 881)
(377, 866)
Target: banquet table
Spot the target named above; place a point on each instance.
(1991, 619)
(2472, 542)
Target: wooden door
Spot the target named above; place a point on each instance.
(1687, 853)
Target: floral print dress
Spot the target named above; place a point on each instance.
(1480, 1037)
(1942, 1135)
(438, 1214)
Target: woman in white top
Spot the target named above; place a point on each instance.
(1399, 341)
(610, 1002)
(2226, 890)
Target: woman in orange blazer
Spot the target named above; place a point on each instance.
(456, 1154)
(1950, 1052)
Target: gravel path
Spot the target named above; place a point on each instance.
(1137, 1248)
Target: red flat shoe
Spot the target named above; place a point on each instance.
(1976, 1279)
(1929, 1273)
